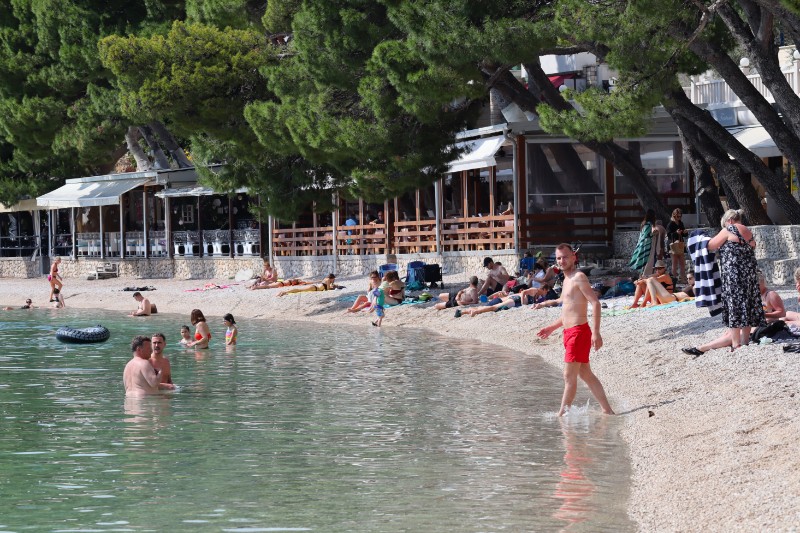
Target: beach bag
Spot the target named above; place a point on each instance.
(770, 330)
(415, 275)
(677, 248)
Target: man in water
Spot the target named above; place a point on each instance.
(158, 360)
(579, 338)
(144, 308)
(140, 378)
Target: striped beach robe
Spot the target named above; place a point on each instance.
(641, 254)
(707, 284)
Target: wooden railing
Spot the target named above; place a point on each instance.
(478, 233)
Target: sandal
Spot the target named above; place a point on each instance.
(692, 351)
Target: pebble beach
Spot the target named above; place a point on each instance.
(711, 438)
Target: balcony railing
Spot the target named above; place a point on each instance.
(711, 92)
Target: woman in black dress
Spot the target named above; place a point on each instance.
(741, 300)
(675, 232)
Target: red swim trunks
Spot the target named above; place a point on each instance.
(577, 343)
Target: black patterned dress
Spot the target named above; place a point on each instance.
(741, 299)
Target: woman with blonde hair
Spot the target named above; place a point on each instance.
(677, 247)
(741, 299)
(55, 279)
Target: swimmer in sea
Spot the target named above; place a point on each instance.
(186, 335)
(140, 378)
(159, 360)
(232, 332)
(201, 332)
(28, 305)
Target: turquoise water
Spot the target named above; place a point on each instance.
(302, 428)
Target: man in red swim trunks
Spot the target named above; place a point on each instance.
(579, 338)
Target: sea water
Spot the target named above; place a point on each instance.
(302, 427)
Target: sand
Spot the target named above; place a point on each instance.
(712, 440)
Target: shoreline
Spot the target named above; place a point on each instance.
(713, 453)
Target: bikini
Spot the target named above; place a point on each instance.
(230, 336)
(199, 337)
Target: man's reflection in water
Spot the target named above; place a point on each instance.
(575, 489)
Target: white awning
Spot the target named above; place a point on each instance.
(757, 140)
(82, 193)
(28, 204)
(192, 191)
(480, 154)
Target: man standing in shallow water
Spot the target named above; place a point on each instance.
(159, 360)
(579, 338)
(140, 378)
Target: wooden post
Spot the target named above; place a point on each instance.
(200, 229)
(102, 235)
(520, 190)
(314, 225)
(230, 227)
(168, 227)
(144, 225)
(121, 229)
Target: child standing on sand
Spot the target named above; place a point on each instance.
(378, 299)
(232, 332)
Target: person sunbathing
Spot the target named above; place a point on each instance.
(507, 302)
(660, 276)
(327, 284)
(268, 275)
(466, 296)
(283, 283)
(660, 295)
(364, 301)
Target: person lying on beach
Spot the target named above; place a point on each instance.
(283, 283)
(144, 308)
(661, 295)
(202, 334)
(28, 305)
(186, 335)
(139, 377)
(327, 284)
(660, 276)
(158, 359)
(364, 301)
(495, 304)
(466, 296)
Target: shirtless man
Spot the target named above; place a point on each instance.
(140, 378)
(496, 279)
(576, 294)
(158, 360)
(144, 305)
(463, 297)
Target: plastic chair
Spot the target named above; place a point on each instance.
(388, 267)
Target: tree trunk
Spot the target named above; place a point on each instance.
(161, 160)
(678, 103)
(168, 141)
(733, 178)
(580, 180)
(637, 177)
(790, 21)
(132, 140)
(784, 136)
(760, 48)
(707, 192)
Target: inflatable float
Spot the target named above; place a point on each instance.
(89, 335)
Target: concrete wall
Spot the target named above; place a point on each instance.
(777, 250)
(20, 267)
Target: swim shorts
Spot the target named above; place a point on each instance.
(451, 302)
(379, 311)
(577, 343)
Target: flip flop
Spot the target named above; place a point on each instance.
(793, 348)
(692, 351)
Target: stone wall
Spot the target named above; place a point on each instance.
(20, 267)
(777, 250)
(467, 263)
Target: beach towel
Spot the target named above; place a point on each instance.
(139, 289)
(615, 312)
(707, 283)
(641, 254)
(208, 287)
